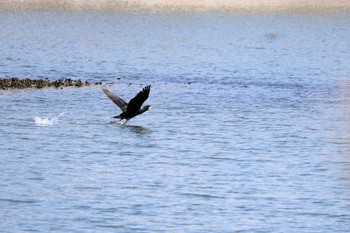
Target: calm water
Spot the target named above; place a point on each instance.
(249, 130)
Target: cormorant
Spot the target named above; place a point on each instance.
(133, 108)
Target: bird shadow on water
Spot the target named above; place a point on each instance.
(137, 129)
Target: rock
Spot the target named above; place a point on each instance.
(16, 83)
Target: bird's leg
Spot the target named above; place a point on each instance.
(126, 120)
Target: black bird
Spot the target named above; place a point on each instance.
(133, 108)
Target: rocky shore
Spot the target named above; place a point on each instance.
(17, 83)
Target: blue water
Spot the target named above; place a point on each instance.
(249, 130)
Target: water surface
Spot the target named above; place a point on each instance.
(249, 130)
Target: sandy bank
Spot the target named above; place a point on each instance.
(178, 5)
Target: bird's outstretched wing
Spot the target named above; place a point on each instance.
(116, 99)
(136, 102)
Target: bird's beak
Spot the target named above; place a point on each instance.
(150, 107)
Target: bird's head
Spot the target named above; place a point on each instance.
(144, 109)
(147, 107)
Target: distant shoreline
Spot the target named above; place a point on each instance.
(17, 83)
(163, 6)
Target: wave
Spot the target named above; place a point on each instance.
(176, 5)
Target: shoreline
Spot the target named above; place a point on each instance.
(162, 6)
(17, 83)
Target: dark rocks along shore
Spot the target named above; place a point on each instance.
(16, 83)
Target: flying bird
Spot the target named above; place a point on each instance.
(133, 108)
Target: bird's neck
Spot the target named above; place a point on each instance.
(142, 110)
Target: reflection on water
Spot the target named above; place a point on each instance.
(137, 129)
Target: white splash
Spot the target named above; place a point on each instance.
(45, 121)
